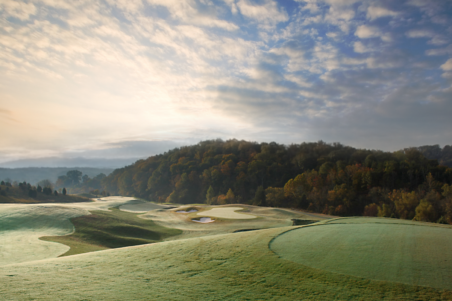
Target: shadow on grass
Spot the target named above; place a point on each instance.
(110, 229)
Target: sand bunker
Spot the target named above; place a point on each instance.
(226, 212)
(204, 220)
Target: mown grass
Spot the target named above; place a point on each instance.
(381, 249)
(236, 266)
(111, 229)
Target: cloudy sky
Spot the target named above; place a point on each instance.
(86, 75)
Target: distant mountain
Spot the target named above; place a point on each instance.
(35, 174)
(69, 162)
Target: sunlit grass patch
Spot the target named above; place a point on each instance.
(226, 212)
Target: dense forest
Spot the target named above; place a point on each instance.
(320, 177)
(434, 152)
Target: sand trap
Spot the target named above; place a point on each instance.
(204, 220)
(226, 212)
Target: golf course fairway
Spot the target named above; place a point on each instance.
(379, 249)
(235, 266)
(226, 212)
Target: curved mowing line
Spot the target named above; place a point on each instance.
(379, 251)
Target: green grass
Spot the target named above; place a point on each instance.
(379, 249)
(233, 266)
(236, 266)
(111, 229)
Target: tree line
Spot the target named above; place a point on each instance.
(78, 183)
(320, 177)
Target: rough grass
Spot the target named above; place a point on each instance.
(111, 229)
(380, 249)
(236, 266)
(140, 206)
(226, 212)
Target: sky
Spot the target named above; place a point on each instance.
(108, 77)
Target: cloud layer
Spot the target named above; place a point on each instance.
(79, 74)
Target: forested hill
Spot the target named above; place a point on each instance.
(328, 178)
(443, 155)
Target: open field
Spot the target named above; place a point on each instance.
(238, 266)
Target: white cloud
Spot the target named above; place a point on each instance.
(435, 39)
(375, 12)
(233, 6)
(186, 11)
(18, 9)
(341, 2)
(419, 33)
(310, 5)
(267, 13)
(359, 47)
(366, 32)
(447, 66)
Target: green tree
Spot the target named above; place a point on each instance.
(74, 176)
(64, 191)
(259, 197)
(230, 197)
(425, 212)
(274, 196)
(384, 211)
(210, 195)
(371, 210)
(46, 184)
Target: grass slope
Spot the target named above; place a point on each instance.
(21, 225)
(111, 229)
(223, 267)
(380, 249)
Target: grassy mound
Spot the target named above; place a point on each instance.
(381, 249)
(111, 229)
(236, 266)
(140, 206)
(226, 212)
